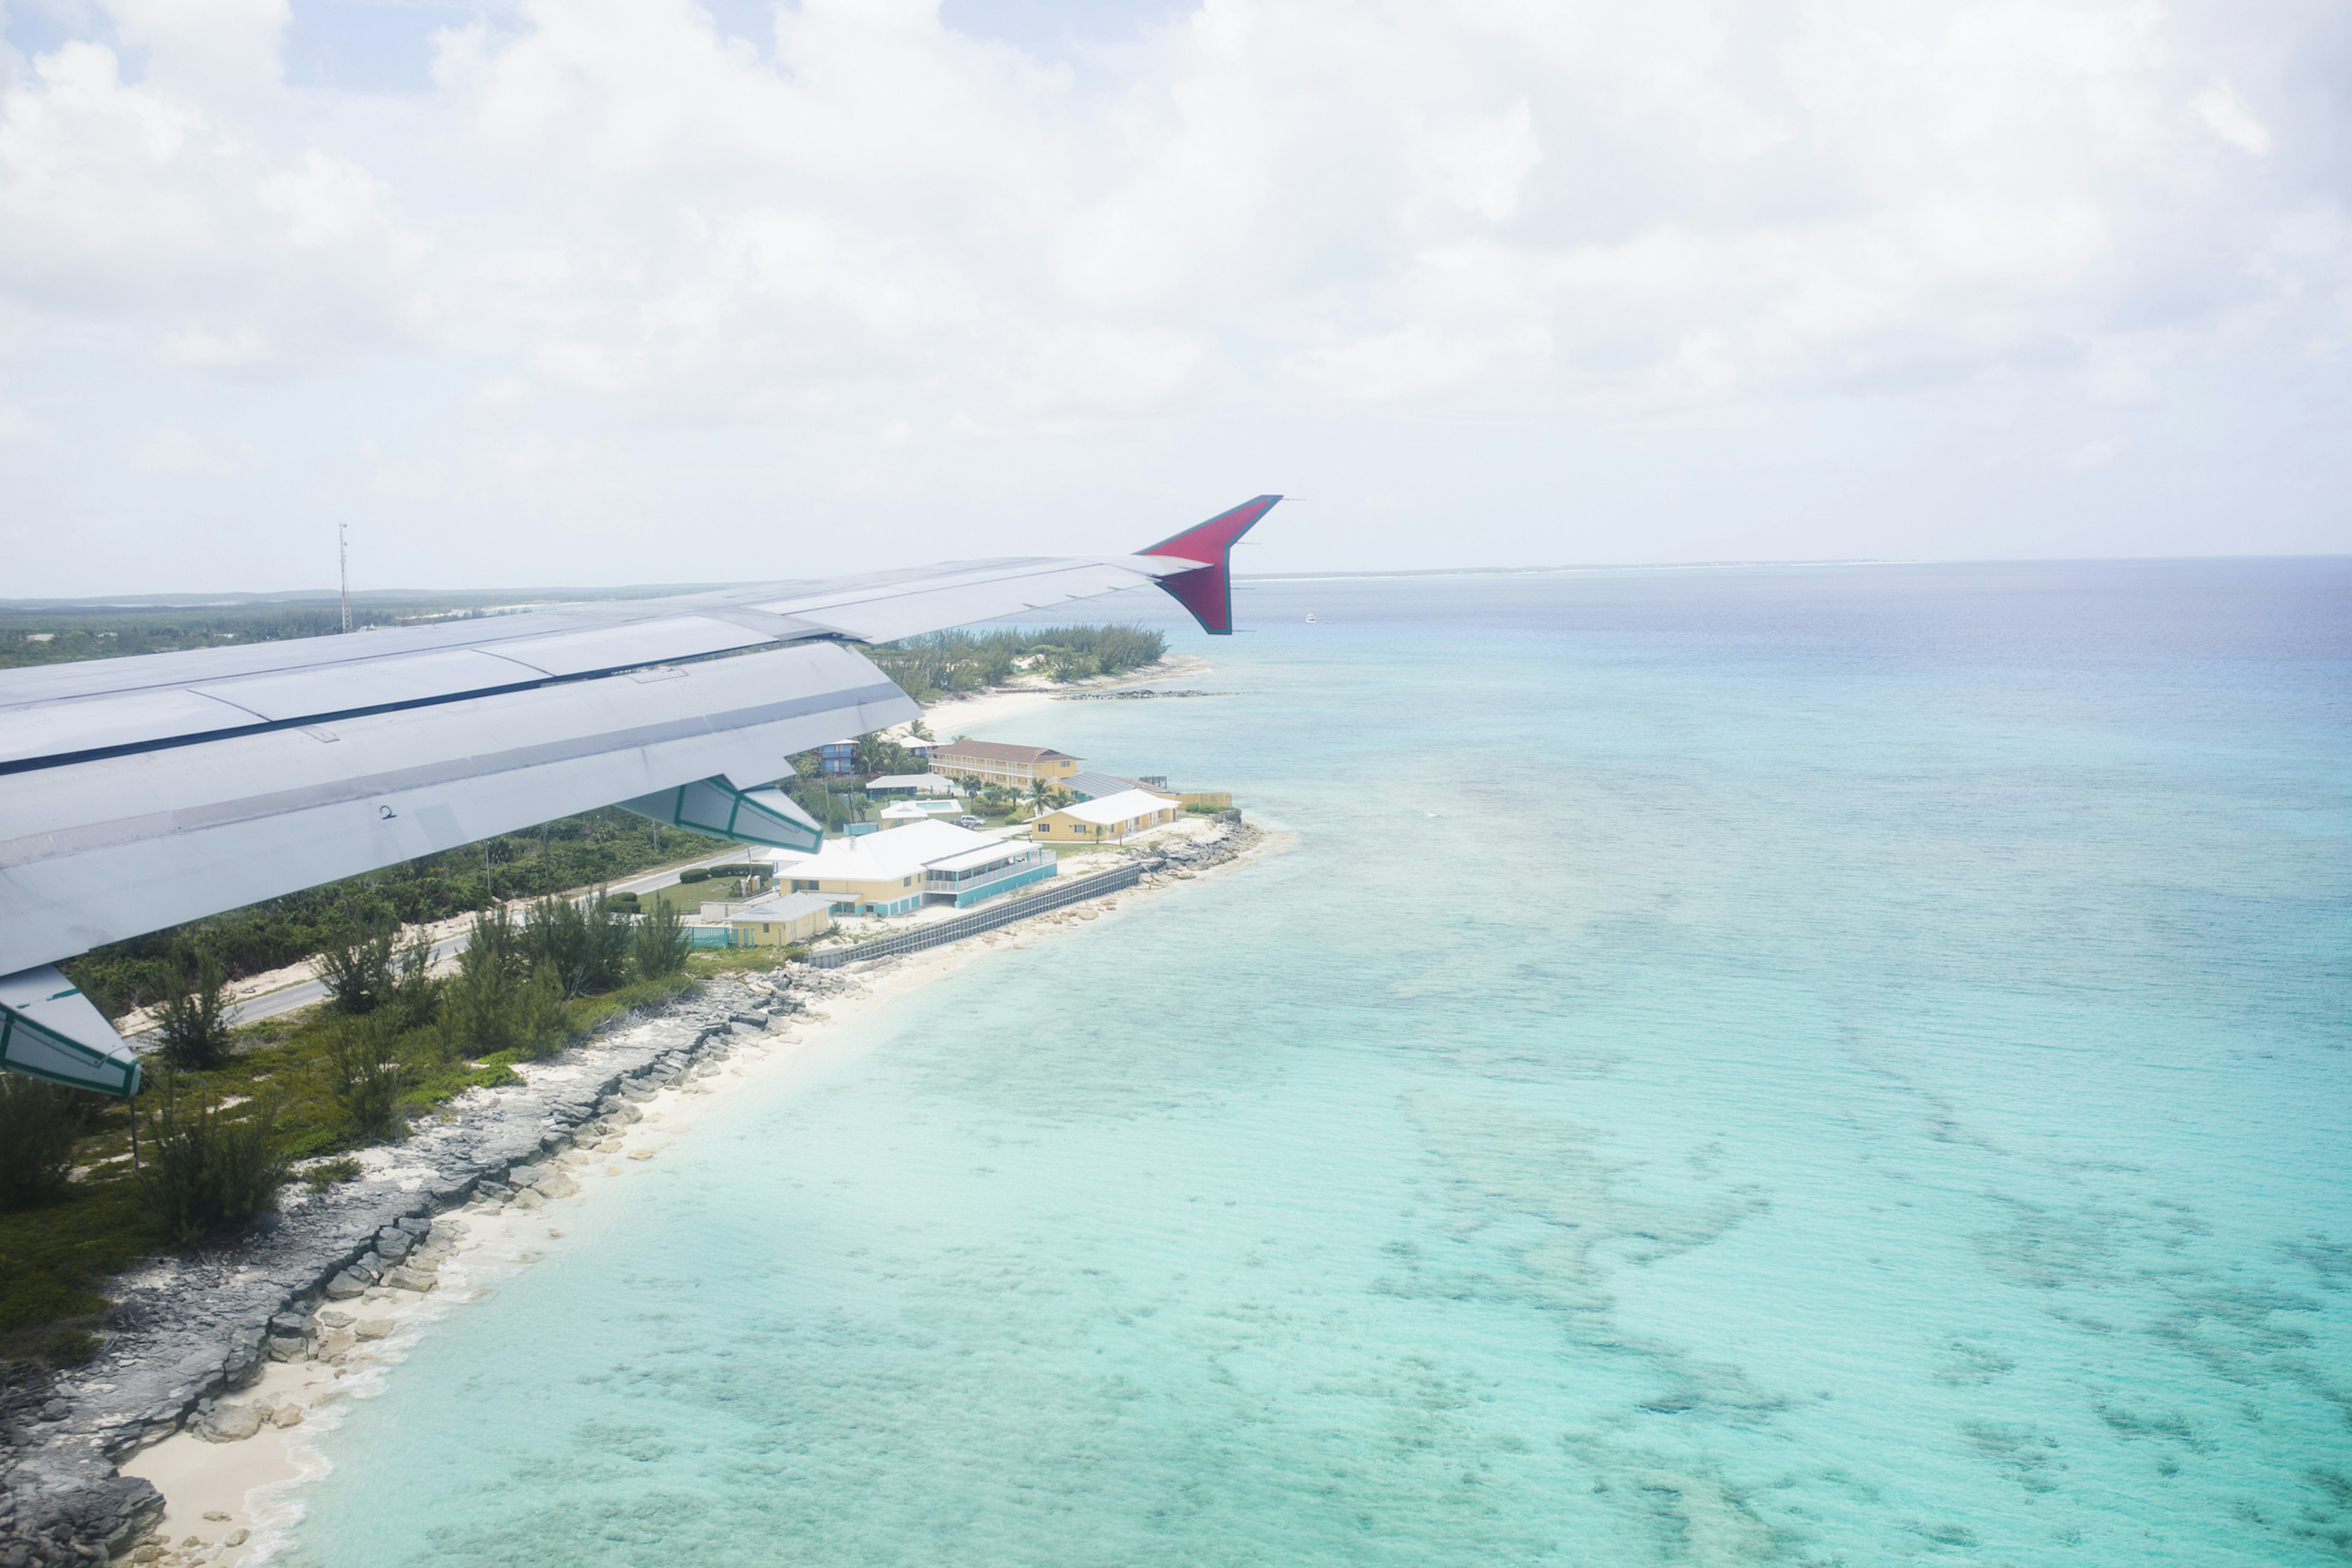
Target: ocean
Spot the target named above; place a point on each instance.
(1808, 1065)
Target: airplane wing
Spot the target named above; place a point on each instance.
(141, 792)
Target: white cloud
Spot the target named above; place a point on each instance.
(2093, 454)
(174, 454)
(2219, 107)
(610, 255)
(1477, 161)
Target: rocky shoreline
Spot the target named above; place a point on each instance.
(188, 1331)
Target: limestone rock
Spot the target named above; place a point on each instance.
(527, 1199)
(557, 1186)
(415, 1280)
(285, 1347)
(392, 1243)
(376, 1329)
(237, 1538)
(229, 1423)
(345, 1286)
(287, 1415)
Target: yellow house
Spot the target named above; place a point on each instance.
(779, 918)
(988, 762)
(895, 873)
(1107, 820)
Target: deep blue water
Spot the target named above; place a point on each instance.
(1826, 1065)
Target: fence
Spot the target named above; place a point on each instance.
(1053, 895)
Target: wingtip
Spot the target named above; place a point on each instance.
(1207, 591)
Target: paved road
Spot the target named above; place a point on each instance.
(305, 992)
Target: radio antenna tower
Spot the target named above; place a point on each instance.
(343, 552)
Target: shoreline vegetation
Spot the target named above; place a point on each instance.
(426, 1224)
(240, 1107)
(310, 1104)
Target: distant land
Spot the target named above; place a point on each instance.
(490, 599)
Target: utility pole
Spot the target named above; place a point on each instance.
(344, 551)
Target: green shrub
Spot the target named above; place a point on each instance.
(194, 1019)
(357, 970)
(327, 1172)
(414, 999)
(582, 944)
(658, 946)
(363, 1075)
(38, 1124)
(539, 1021)
(201, 1168)
(1199, 809)
(695, 874)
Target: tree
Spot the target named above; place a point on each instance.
(1047, 794)
(39, 1123)
(477, 1002)
(414, 998)
(659, 945)
(195, 1018)
(204, 1168)
(363, 1073)
(581, 944)
(357, 970)
(540, 1022)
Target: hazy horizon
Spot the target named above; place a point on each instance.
(543, 592)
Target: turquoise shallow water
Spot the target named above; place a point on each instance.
(1800, 1065)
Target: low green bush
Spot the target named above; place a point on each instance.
(328, 1173)
(363, 1075)
(38, 1125)
(659, 945)
(194, 1019)
(201, 1168)
(357, 969)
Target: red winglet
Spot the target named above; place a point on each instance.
(1208, 593)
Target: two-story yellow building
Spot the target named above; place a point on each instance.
(991, 763)
(1107, 820)
(897, 873)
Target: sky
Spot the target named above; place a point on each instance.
(608, 291)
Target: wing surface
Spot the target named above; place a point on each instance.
(141, 792)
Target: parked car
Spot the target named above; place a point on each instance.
(968, 820)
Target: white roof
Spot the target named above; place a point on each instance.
(916, 811)
(879, 857)
(779, 907)
(997, 850)
(922, 784)
(1107, 809)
